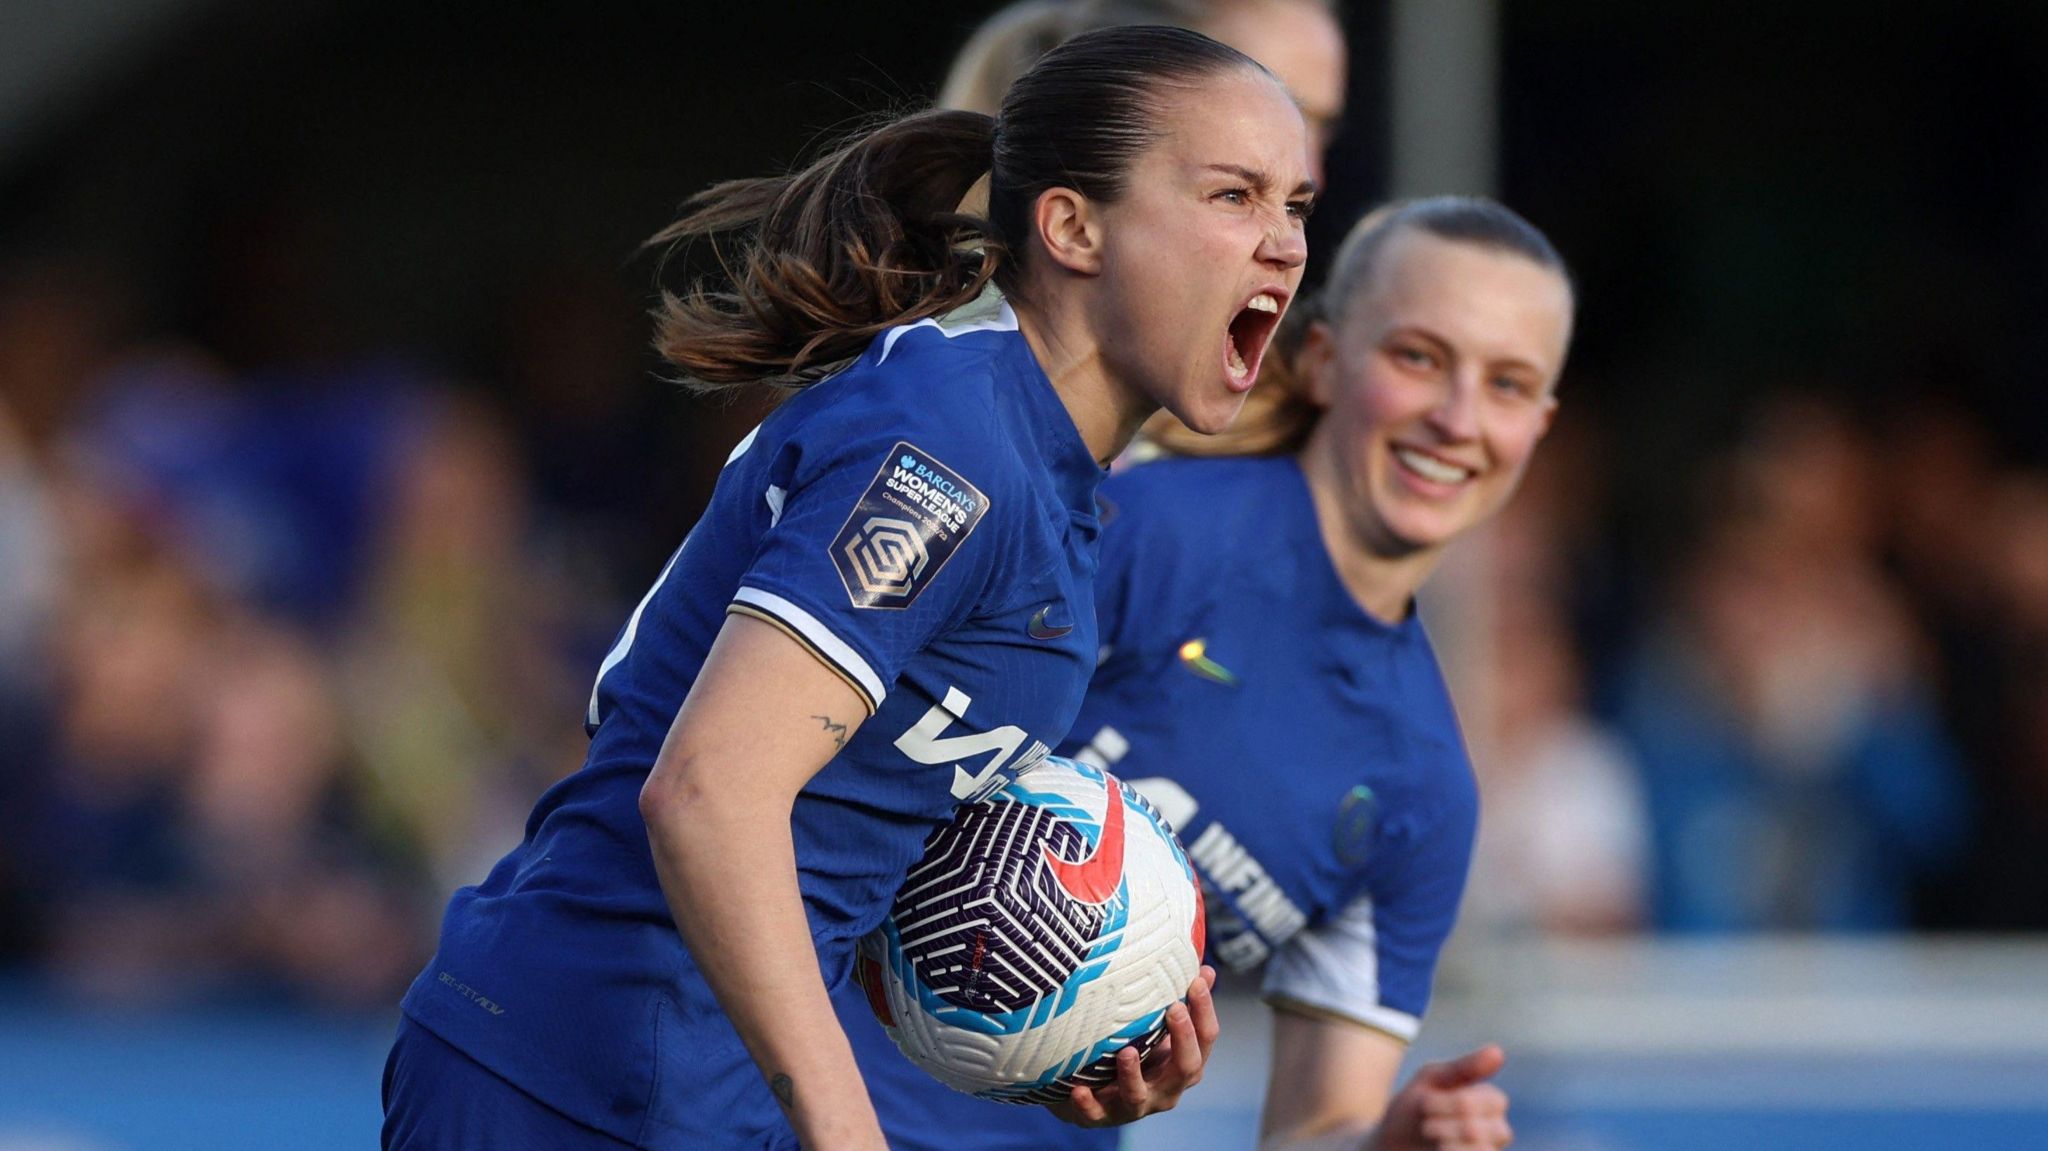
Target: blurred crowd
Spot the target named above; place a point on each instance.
(288, 647)
(290, 642)
(1823, 706)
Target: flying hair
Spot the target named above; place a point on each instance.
(813, 265)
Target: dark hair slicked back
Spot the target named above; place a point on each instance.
(1085, 111)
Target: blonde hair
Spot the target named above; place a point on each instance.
(1009, 42)
(1005, 47)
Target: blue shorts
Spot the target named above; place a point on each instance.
(438, 1099)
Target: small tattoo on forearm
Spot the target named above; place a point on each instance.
(784, 1090)
(836, 730)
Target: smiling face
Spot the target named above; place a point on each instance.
(1202, 253)
(1437, 383)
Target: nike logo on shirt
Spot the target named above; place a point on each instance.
(1039, 629)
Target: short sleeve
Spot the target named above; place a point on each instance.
(884, 535)
(1373, 960)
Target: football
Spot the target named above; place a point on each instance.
(1048, 926)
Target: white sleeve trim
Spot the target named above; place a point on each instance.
(1398, 1024)
(820, 637)
(1333, 967)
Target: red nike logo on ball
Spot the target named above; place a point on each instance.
(1097, 877)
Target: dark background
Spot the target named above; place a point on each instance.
(398, 248)
(1758, 200)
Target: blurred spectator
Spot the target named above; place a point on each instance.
(188, 561)
(2002, 693)
(1563, 842)
(57, 322)
(270, 486)
(590, 426)
(195, 834)
(462, 701)
(1797, 774)
(1563, 839)
(1939, 462)
(57, 319)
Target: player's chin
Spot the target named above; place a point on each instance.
(1211, 414)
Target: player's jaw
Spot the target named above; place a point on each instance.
(1412, 480)
(1224, 367)
(1426, 491)
(1427, 478)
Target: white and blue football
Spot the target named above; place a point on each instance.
(1048, 926)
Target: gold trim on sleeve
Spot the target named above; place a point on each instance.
(770, 619)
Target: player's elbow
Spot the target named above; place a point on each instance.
(672, 795)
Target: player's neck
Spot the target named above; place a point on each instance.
(1381, 576)
(1069, 354)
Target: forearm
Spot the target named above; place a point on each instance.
(728, 870)
(1329, 1085)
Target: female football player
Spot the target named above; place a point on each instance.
(895, 567)
(1267, 684)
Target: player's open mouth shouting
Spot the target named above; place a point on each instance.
(1249, 333)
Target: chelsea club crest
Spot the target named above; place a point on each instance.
(1357, 816)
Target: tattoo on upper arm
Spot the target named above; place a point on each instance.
(785, 1091)
(837, 731)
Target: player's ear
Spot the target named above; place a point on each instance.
(1071, 230)
(1316, 363)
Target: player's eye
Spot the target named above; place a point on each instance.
(1301, 209)
(1515, 387)
(1411, 356)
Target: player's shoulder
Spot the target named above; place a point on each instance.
(933, 392)
(952, 367)
(943, 378)
(1197, 499)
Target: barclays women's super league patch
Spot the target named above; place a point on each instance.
(909, 523)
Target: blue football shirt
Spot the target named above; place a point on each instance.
(1307, 754)
(925, 523)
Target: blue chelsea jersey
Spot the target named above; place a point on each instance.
(924, 523)
(1307, 754)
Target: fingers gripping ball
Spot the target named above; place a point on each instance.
(1047, 927)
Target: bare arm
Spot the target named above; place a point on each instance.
(762, 719)
(1331, 1087)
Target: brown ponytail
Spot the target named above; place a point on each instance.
(817, 262)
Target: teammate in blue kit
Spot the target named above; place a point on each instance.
(887, 608)
(1266, 683)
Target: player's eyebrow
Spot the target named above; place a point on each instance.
(1260, 180)
(1431, 336)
